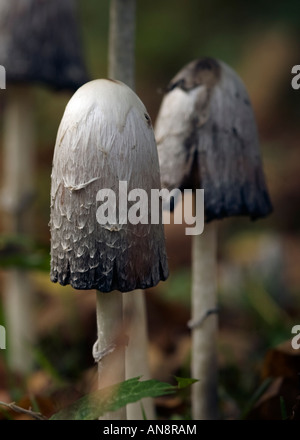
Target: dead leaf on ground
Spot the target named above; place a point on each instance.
(281, 361)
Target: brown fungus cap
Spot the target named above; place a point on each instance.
(39, 42)
(207, 138)
(105, 137)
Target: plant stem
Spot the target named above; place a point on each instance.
(17, 197)
(137, 350)
(121, 65)
(204, 335)
(110, 344)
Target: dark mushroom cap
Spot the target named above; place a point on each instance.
(39, 42)
(105, 136)
(207, 138)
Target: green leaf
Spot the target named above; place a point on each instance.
(94, 405)
(21, 252)
(143, 411)
(258, 393)
(184, 382)
(283, 409)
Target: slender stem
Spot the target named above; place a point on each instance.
(20, 410)
(137, 350)
(204, 336)
(122, 67)
(19, 140)
(17, 194)
(121, 63)
(111, 344)
(18, 309)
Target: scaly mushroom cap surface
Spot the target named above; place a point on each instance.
(39, 42)
(105, 136)
(207, 138)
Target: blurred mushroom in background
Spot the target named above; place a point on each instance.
(207, 139)
(39, 44)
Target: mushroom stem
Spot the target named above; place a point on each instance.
(137, 351)
(122, 67)
(109, 350)
(16, 200)
(121, 63)
(204, 325)
(18, 306)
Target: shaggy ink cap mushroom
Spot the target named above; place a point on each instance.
(105, 137)
(207, 138)
(40, 42)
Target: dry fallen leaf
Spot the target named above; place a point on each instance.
(281, 361)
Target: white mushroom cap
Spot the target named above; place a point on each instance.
(105, 136)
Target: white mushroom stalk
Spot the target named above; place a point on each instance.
(121, 66)
(34, 48)
(105, 137)
(121, 53)
(17, 196)
(207, 139)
